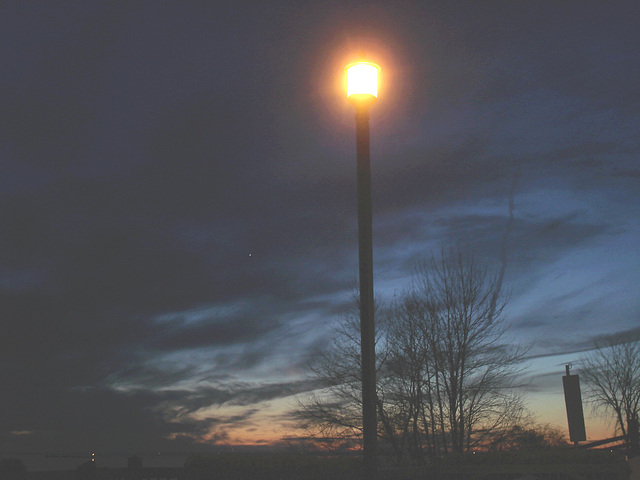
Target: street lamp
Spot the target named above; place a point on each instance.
(362, 92)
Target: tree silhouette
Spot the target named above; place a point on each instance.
(445, 371)
(612, 375)
(450, 345)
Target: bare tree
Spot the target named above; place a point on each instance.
(472, 367)
(446, 375)
(612, 375)
(333, 413)
(407, 379)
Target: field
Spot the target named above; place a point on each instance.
(552, 464)
(556, 464)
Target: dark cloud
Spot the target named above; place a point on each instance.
(212, 334)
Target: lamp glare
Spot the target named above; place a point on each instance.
(362, 79)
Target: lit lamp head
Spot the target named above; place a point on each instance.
(362, 83)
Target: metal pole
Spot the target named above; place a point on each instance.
(367, 329)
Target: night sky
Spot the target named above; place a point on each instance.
(178, 207)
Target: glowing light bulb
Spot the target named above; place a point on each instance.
(362, 79)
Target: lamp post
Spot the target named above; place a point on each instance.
(362, 92)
